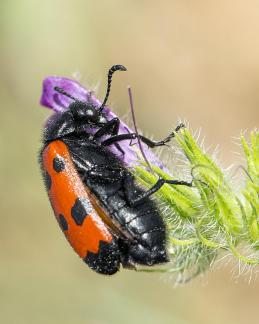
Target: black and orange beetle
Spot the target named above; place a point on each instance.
(107, 218)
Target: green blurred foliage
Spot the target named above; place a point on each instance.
(196, 60)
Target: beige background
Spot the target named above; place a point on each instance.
(197, 60)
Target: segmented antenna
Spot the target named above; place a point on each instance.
(136, 130)
(62, 91)
(110, 73)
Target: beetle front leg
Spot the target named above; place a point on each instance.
(150, 143)
(111, 127)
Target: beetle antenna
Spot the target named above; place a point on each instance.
(136, 130)
(110, 73)
(62, 91)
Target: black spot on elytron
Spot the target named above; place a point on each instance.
(80, 210)
(62, 222)
(47, 180)
(58, 164)
(106, 260)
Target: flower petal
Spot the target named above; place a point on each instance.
(59, 103)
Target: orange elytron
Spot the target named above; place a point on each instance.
(83, 228)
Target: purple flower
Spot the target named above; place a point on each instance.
(60, 103)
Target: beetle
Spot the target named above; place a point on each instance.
(108, 219)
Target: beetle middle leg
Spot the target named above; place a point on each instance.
(133, 199)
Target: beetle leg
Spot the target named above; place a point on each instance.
(119, 148)
(112, 127)
(134, 200)
(150, 143)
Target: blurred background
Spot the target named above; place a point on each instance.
(196, 60)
